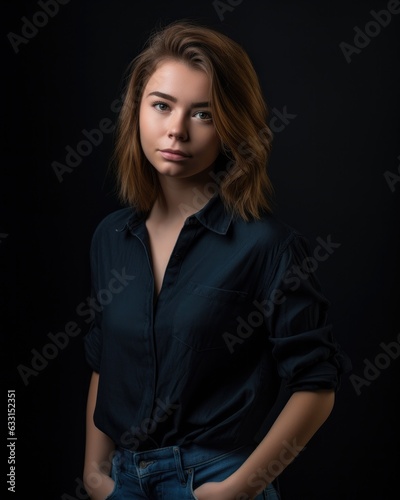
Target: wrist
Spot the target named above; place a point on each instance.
(243, 487)
(98, 485)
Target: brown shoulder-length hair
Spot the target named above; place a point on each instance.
(239, 114)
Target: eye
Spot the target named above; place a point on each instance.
(160, 106)
(204, 116)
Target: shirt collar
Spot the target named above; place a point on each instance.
(213, 216)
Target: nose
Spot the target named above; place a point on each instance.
(178, 128)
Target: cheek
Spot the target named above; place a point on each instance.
(211, 146)
(142, 127)
(206, 139)
(147, 130)
(146, 121)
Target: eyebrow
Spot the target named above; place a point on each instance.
(204, 104)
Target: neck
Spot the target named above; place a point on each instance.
(181, 198)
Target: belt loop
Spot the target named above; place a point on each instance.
(179, 466)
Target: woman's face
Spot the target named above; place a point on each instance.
(177, 132)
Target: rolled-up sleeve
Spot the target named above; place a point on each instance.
(308, 356)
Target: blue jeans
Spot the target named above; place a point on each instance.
(173, 473)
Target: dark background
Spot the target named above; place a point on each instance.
(329, 165)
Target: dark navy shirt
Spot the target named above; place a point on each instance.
(240, 309)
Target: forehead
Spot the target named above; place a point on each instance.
(179, 80)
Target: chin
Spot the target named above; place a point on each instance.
(172, 170)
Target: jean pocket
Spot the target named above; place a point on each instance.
(115, 476)
(190, 474)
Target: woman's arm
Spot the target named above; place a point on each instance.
(98, 451)
(299, 420)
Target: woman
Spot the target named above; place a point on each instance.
(207, 300)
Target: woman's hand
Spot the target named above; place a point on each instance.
(104, 487)
(218, 491)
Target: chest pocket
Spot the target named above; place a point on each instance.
(205, 313)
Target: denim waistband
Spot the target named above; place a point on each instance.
(174, 457)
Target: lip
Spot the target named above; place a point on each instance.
(174, 154)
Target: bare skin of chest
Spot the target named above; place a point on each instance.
(162, 242)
